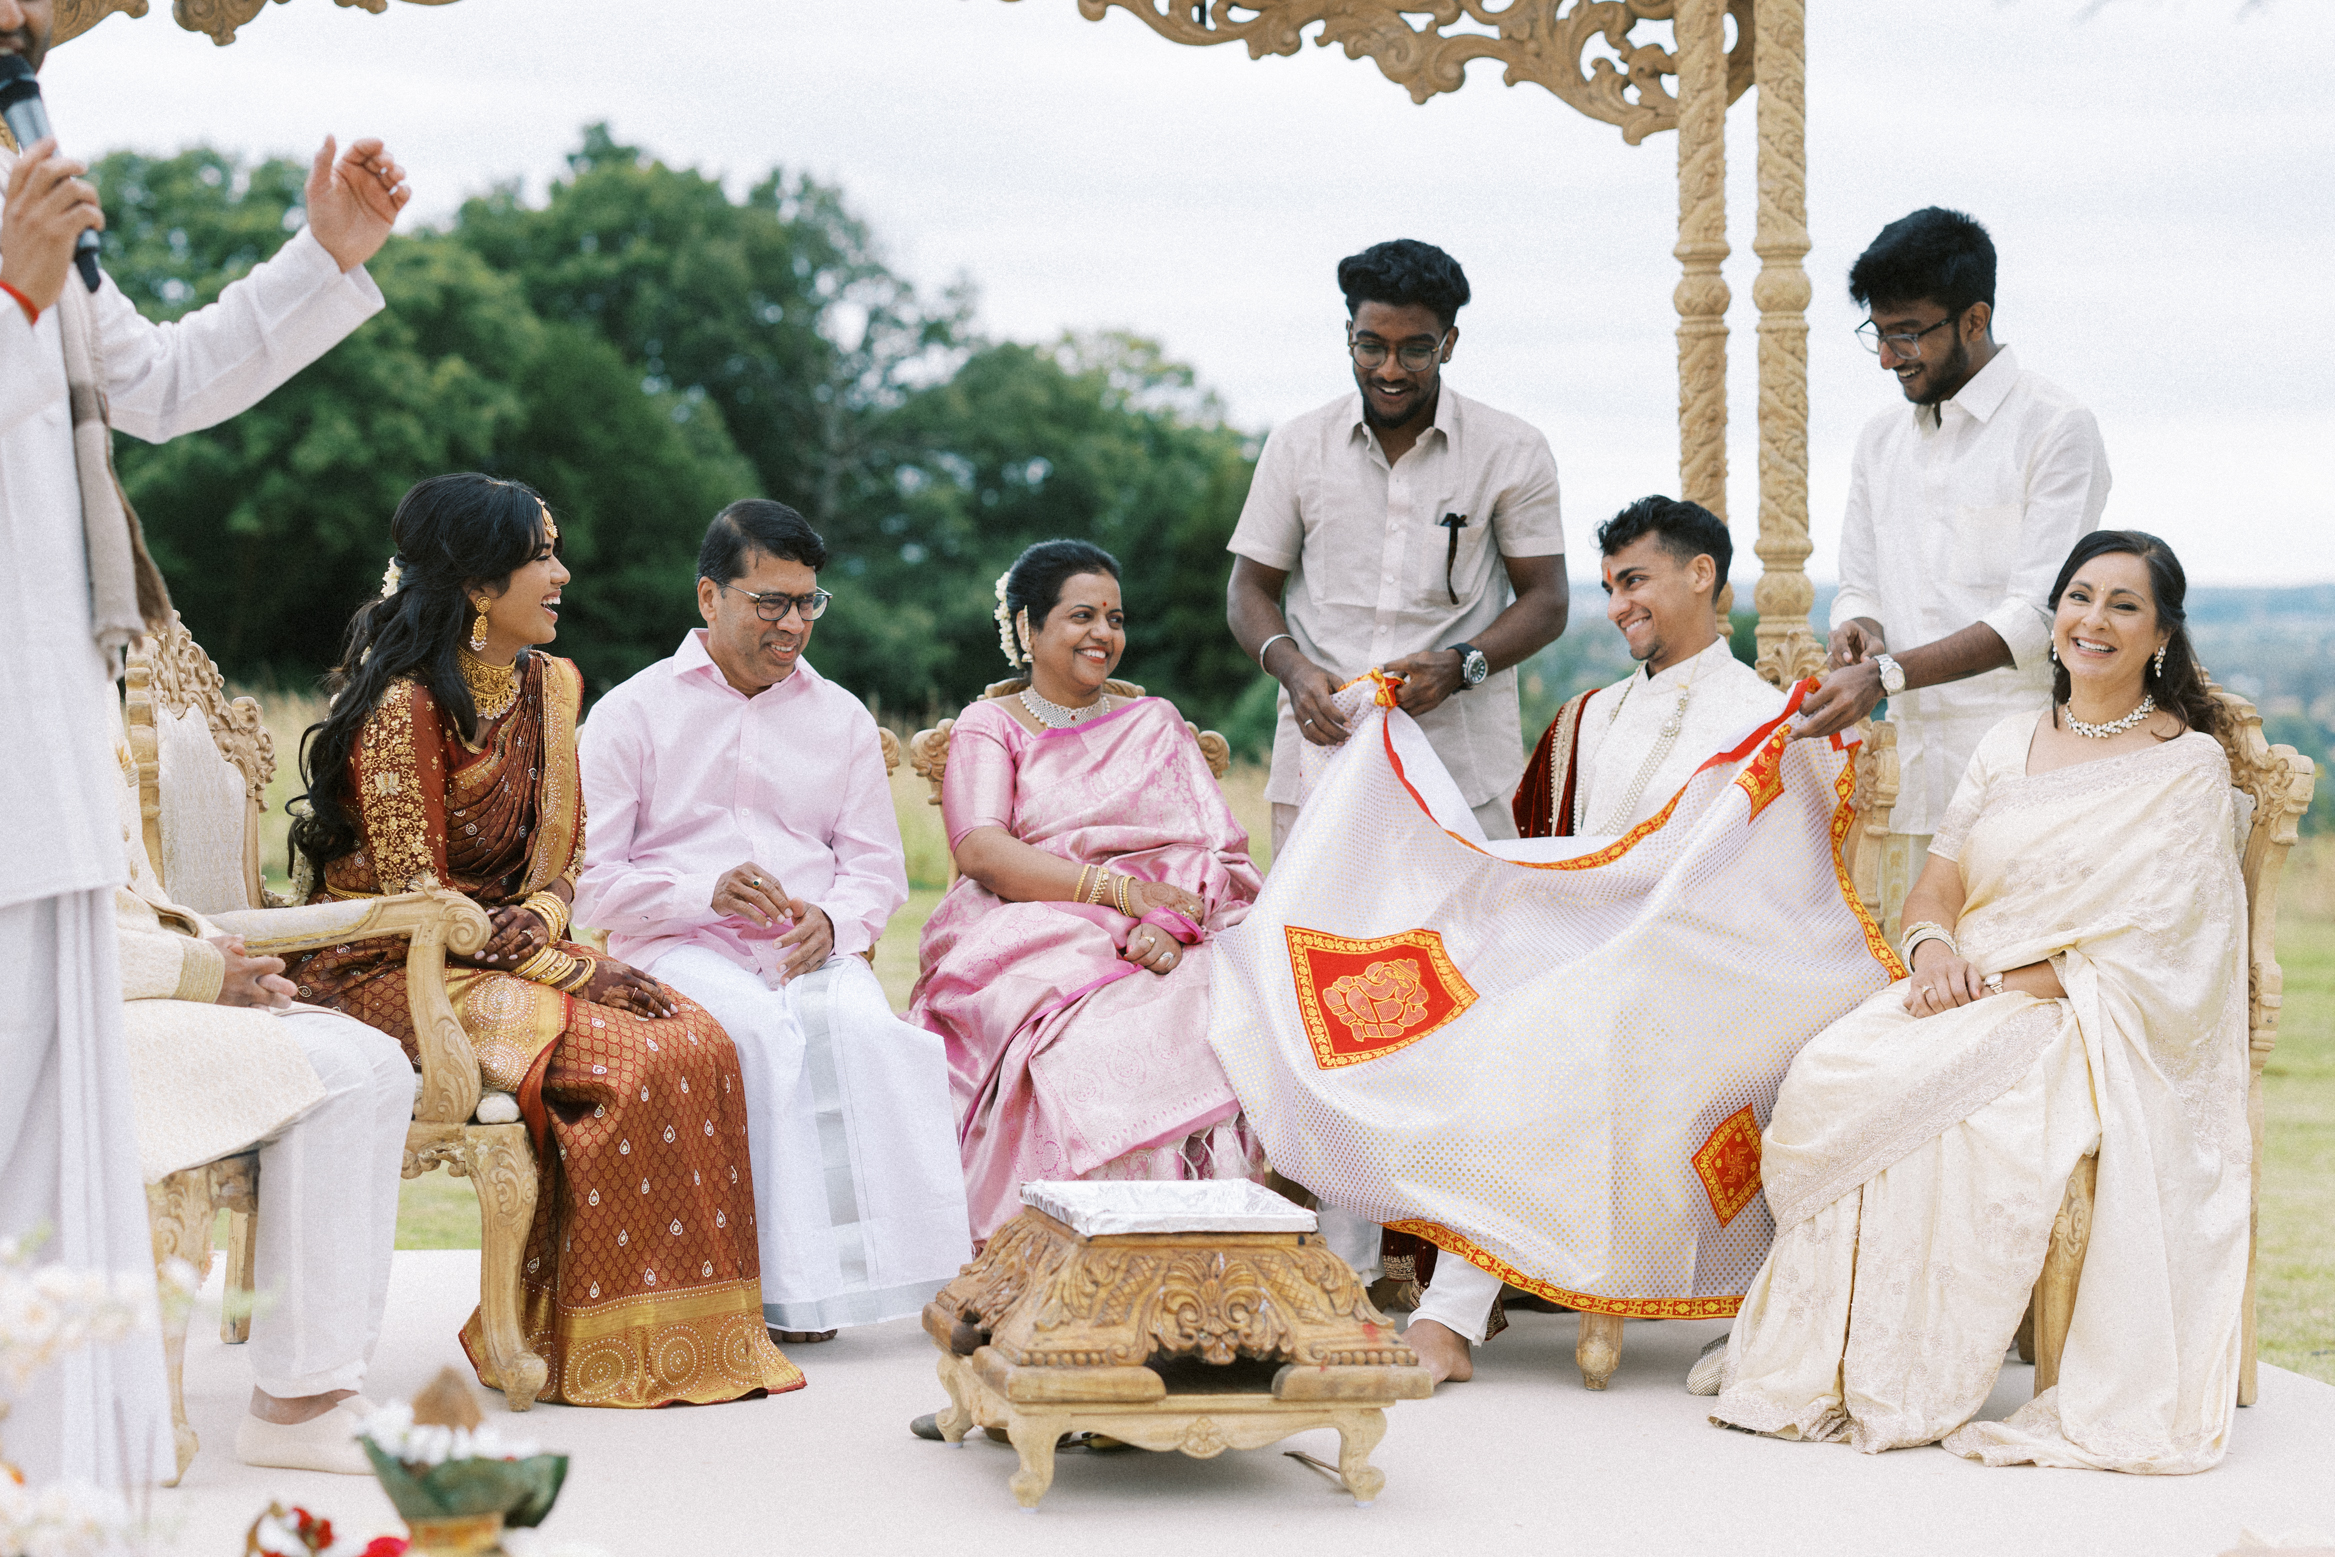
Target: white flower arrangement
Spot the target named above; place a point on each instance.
(44, 1314)
(391, 578)
(48, 1312)
(395, 1433)
(67, 1520)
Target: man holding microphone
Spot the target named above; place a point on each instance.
(76, 586)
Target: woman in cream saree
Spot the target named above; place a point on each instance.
(1914, 1164)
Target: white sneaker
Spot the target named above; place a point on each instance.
(323, 1443)
(1703, 1377)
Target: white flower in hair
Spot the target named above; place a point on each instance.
(391, 578)
(1005, 623)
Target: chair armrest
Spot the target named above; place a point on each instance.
(435, 922)
(271, 932)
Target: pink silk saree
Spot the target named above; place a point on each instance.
(1066, 1060)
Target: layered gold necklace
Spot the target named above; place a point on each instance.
(493, 688)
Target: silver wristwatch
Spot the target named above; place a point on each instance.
(1892, 674)
(1473, 667)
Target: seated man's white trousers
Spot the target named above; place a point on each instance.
(328, 1211)
(859, 1196)
(1460, 1298)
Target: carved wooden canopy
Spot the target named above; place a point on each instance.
(217, 19)
(1544, 41)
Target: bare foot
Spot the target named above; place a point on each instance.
(1442, 1350)
(801, 1337)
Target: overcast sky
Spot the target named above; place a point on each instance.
(2156, 174)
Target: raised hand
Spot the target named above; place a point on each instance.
(353, 201)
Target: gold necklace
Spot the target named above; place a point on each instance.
(493, 688)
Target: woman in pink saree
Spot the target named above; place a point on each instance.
(1068, 969)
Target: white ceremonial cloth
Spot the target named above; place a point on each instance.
(1622, 726)
(1373, 573)
(1963, 513)
(859, 1198)
(1915, 1166)
(1548, 1056)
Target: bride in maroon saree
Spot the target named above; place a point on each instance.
(642, 1281)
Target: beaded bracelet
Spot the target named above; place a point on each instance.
(1120, 884)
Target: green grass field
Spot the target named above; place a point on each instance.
(2296, 1274)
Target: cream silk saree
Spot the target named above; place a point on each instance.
(1914, 1167)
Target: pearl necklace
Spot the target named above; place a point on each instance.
(2101, 732)
(493, 688)
(1056, 717)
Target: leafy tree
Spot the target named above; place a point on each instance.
(1098, 437)
(776, 310)
(273, 526)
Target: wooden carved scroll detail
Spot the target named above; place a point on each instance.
(1548, 42)
(181, 676)
(2280, 780)
(1050, 1299)
(216, 19)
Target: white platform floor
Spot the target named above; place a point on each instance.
(1521, 1459)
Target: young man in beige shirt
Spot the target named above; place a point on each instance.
(1407, 527)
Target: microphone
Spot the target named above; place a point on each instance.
(28, 121)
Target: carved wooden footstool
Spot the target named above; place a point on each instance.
(1198, 1316)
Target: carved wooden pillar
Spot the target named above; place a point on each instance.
(1701, 27)
(1788, 650)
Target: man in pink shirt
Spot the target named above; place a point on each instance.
(742, 849)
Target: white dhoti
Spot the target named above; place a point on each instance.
(69, 1168)
(328, 1211)
(859, 1197)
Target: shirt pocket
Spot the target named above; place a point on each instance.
(1439, 559)
(1986, 545)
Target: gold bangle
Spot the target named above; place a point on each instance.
(1119, 887)
(547, 907)
(548, 966)
(1078, 895)
(585, 969)
(1102, 884)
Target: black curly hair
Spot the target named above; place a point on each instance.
(1403, 271)
(1934, 255)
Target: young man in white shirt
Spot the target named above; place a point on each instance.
(1962, 506)
(1412, 529)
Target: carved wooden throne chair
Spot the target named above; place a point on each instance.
(2277, 784)
(203, 768)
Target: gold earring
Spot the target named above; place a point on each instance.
(478, 632)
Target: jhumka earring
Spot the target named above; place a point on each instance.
(478, 632)
(2161, 660)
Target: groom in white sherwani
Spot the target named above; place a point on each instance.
(1611, 761)
(75, 587)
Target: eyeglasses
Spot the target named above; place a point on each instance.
(1414, 358)
(773, 608)
(1906, 343)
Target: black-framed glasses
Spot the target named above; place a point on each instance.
(1414, 357)
(773, 608)
(1906, 343)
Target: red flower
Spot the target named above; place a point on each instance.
(386, 1546)
(314, 1533)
